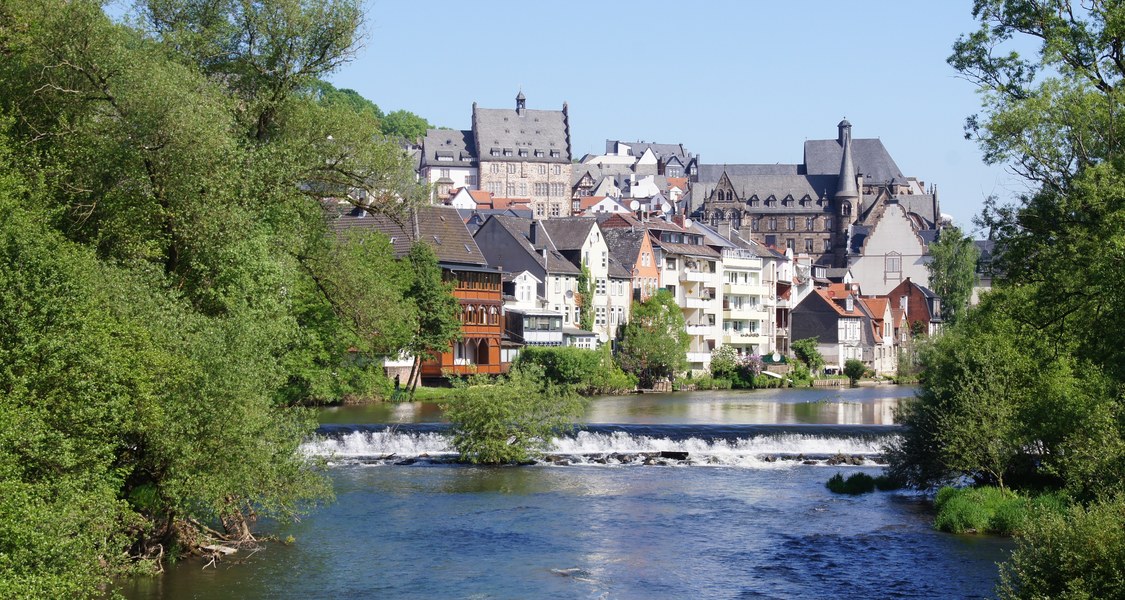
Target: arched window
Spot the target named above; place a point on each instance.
(846, 209)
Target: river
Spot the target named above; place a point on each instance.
(743, 516)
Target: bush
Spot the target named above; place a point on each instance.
(854, 369)
(1073, 553)
(855, 484)
(585, 371)
(511, 419)
(990, 510)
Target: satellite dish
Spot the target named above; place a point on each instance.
(569, 294)
(634, 205)
(776, 357)
(687, 223)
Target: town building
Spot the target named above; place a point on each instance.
(846, 205)
(477, 286)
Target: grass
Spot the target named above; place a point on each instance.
(990, 509)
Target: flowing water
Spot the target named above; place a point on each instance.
(703, 495)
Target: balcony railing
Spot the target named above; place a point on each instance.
(699, 357)
(703, 303)
(704, 330)
(698, 276)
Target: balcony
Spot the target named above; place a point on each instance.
(704, 330)
(745, 289)
(699, 357)
(707, 304)
(743, 337)
(699, 276)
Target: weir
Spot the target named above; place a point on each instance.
(725, 445)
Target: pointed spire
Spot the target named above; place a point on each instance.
(521, 102)
(847, 189)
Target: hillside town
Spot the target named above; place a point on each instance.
(756, 255)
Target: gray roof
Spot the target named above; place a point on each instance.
(624, 244)
(713, 172)
(618, 270)
(778, 186)
(439, 226)
(520, 229)
(457, 147)
(663, 151)
(922, 205)
(534, 131)
(870, 157)
(569, 233)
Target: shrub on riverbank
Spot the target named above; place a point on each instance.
(1073, 553)
(588, 372)
(991, 509)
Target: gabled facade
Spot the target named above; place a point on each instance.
(920, 305)
(842, 326)
(580, 240)
(632, 248)
(513, 245)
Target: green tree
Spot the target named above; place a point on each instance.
(854, 369)
(405, 125)
(806, 351)
(655, 341)
(439, 323)
(585, 299)
(511, 419)
(325, 92)
(952, 267)
(724, 362)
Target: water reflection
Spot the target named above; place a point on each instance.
(816, 406)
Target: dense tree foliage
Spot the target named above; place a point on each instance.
(1028, 389)
(403, 124)
(854, 369)
(438, 322)
(654, 343)
(584, 298)
(168, 286)
(953, 271)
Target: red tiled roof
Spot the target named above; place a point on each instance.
(481, 196)
(678, 182)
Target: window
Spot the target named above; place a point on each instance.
(523, 152)
(599, 287)
(790, 243)
(771, 224)
(828, 223)
(646, 259)
(495, 188)
(511, 189)
(511, 168)
(599, 315)
(612, 316)
(494, 167)
(507, 151)
(791, 223)
(523, 189)
(605, 259)
(810, 222)
(542, 168)
(558, 285)
(808, 245)
(470, 180)
(558, 168)
(846, 209)
(540, 189)
(555, 210)
(670, 263)
(827, 245)
(893, 263)
(555, 154)
(539, 210)
(539, 154)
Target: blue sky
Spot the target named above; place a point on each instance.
(732, 81)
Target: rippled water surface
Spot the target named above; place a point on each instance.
(731, 521)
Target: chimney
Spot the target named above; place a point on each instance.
(678, 220)
(533, 233)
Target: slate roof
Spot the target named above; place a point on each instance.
(506, 129)
(569, 233)
(922, 205)
(458, 146)
(871, 159)
(618, 270)
(520, 229)
(439, 226)
(778, 186)
(624, 244)
(709, 172)
(664, 151)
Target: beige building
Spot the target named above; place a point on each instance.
(525, 153)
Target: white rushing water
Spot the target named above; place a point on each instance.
(586, 447)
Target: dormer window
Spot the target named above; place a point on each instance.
(849, 304)
(523, 152)
(555, 154)
(494, 152)
(507, 151)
